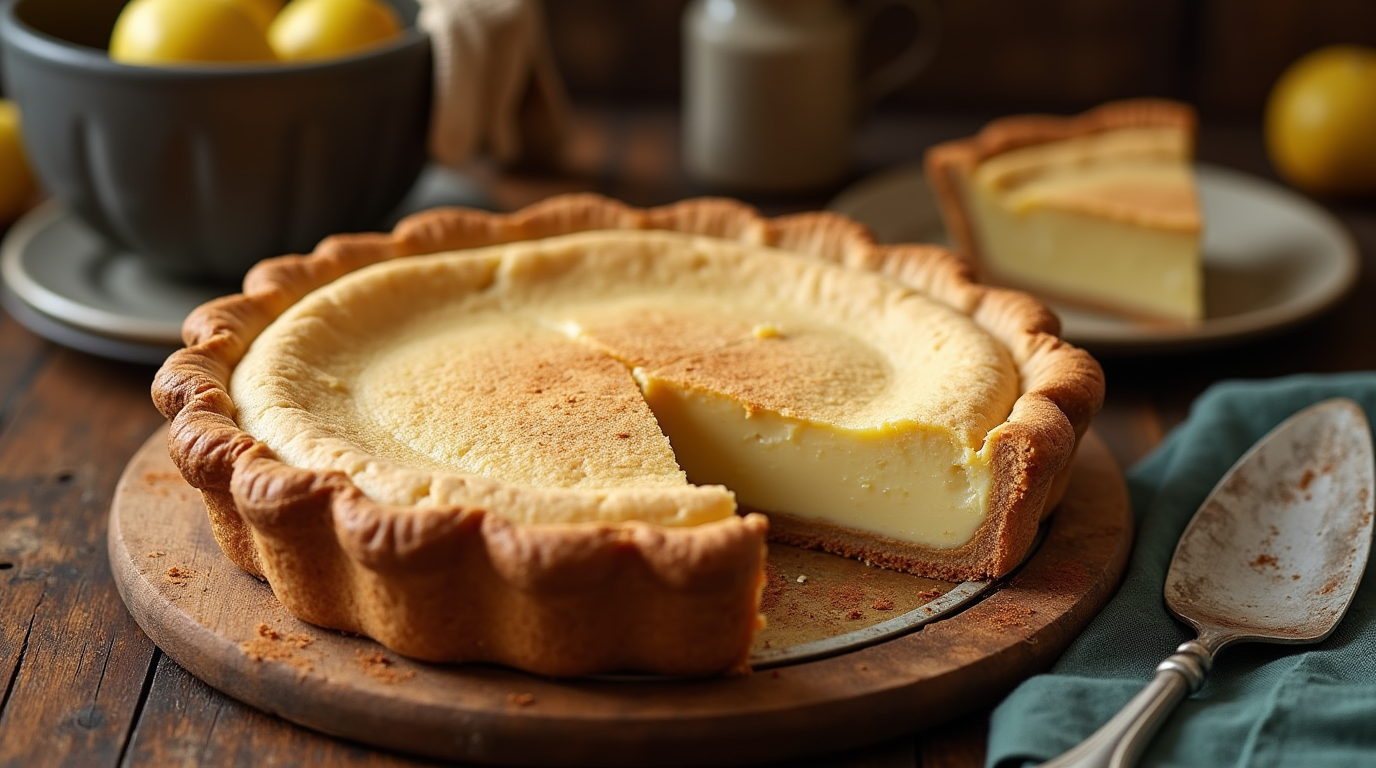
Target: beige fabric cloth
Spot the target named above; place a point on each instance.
(496, 86)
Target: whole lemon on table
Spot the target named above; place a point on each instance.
(17, 186)
(307, 30)
(188, 32)
(1321, 121)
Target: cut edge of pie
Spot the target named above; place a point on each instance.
(951, 165)
(460, 584)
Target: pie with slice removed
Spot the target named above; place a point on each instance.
(558, 439)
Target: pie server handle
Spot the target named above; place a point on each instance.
(1120, 742)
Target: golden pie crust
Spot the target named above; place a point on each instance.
(463, 583)
(949, 165)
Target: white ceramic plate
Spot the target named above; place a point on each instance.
(93, 343)
(65, 283)
(1272, 258)
(63, 270)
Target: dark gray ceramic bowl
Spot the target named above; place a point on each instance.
(205, 170)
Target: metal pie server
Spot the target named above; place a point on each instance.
(1273, 555)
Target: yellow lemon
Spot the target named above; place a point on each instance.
(17, 186)
(1321, 121)
(187, 32)
(308, 30)
(262, 11)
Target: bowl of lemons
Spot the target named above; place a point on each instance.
(205, 135)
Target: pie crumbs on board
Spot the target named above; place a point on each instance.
(272, 645)
(379, 666)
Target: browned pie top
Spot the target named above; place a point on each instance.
(507, 372)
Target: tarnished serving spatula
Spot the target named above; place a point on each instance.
(1273, 555)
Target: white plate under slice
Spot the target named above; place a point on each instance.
(1272, 258)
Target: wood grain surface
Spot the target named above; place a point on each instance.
(226, 628)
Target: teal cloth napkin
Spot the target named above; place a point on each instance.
(1262, 705)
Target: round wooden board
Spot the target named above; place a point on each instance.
(228, 629)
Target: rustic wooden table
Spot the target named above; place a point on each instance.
(81, 683)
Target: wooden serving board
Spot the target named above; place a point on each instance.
(228, 629)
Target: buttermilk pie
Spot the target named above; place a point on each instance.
(558, 439)
(1099, 210)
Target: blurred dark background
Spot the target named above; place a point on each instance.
(1221, 55)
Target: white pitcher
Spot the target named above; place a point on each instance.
(771, 90)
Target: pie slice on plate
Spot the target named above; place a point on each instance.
(1099, 210)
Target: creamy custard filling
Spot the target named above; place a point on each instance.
(804, 387)
(1068, 254)
(902, 481)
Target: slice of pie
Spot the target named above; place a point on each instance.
(543, 439)
(1098, 210)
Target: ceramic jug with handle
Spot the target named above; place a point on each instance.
(771, 88)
